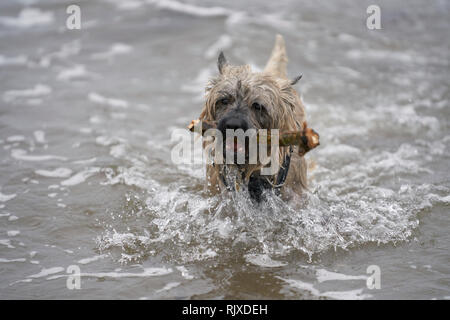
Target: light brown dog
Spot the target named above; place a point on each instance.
(241, 99)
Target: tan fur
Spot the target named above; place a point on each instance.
(273, 89)
(278, 60)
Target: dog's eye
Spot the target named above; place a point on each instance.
(257, 106)
(224, 101)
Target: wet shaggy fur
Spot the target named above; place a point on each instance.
(265, 100)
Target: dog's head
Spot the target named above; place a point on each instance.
(239, 98)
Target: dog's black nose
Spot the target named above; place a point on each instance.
(233, 123)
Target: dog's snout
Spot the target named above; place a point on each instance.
(233, 123)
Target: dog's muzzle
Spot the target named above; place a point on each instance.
(234, 122)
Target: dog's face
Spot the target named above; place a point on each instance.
(242, 99)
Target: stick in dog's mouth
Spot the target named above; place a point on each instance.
(306, 139)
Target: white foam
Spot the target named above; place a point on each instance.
(39, 136)
(108, 141)
(16, 138)
(20, 154)
(347, 295)
(200, 254)
(28, 17)
(118, 151)
(115, 50)
(21, 281)
(147, 272)
(263, 260)
(12, 260)
(190, 9)
(13, 233)
(438, 199)
(133, 176)
(120, 239)
(185, 273)
(86, 130)
(169, 286)
(38, 91)
(86, 161)
(301, 285)
(80, 177)
(95, 119)
(324, 275)
(56, 173)
(6, 243)
(76, 72)
(46, 272)
(347, 38)
(126, 4)
(13, 61)
(92, 259)
(111, 102)
(274, 20)
(7, 197)
(67, 50)
(341, 295)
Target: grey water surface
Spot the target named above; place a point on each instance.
(86, 176)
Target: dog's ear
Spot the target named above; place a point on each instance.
(296, 79)
(221, 62)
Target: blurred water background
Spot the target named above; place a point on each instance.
(86, 178)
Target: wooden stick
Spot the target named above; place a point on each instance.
(306, 139)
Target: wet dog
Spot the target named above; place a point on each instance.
(238, 98)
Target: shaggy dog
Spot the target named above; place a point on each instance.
(239, 98)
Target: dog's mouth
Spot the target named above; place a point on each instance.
(241, 150)
(235, 146)
(237, 150)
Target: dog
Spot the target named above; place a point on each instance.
(238, 98)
